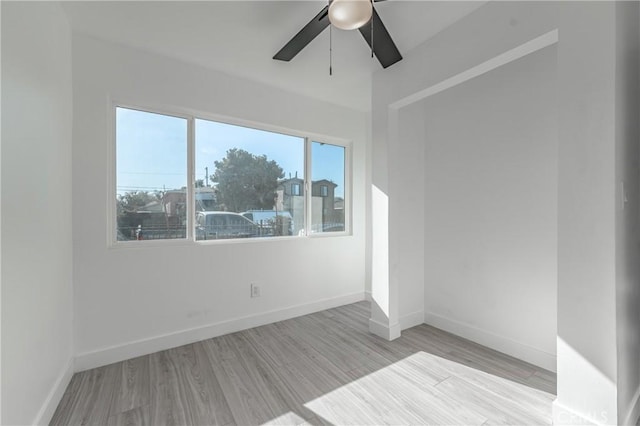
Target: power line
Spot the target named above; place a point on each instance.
(155, 188)
(151, 173)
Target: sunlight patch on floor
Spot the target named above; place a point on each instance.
(426, 389)
(289, 418)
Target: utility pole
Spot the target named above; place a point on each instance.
(206, 176)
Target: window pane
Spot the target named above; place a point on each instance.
(246, 182)
(151, 178)
(327, 188)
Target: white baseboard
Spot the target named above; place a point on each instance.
(634, 412)
(500, 343)
(563, 416)
(87, 360)
(367, 296)
(411, 320)
(389, 332)
(55, 395)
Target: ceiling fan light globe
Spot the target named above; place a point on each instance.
(350, 14)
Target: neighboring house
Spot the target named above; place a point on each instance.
(206, 198)
(290, 197)
(175, 200)
(323, 202)
(286, 193)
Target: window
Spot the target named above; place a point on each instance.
(251, 172)
(328, 187)
(151, 175)
(247, 183)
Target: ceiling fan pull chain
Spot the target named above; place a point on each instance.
(330, 49)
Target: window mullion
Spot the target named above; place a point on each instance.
(307, 186)
(190, 178)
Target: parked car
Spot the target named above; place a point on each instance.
(271, 222)
(224, 225)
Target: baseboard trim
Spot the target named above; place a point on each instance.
(367, 296)
(389, 332)
(634, 412)
(500, 343)
(55, 395)
(411, 320)
(98, 358)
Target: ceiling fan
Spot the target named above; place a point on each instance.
(346, 15)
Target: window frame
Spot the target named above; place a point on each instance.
(191, 116)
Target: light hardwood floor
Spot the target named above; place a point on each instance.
(323, 368)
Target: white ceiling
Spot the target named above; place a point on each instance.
(240, 38)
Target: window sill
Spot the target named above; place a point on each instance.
(185, 242)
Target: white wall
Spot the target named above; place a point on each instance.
(587, 364)
(132, 301)
(452, 51)
(628, 213)
(407, 205)
(587, 332)
(367, 208)
(36, 217)
(491, 208)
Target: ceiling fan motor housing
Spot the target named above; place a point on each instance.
(350, 14)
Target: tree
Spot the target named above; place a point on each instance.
(134, 200)
(246, 181)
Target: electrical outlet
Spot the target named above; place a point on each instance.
(255, 290)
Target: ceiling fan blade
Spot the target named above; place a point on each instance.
(383, 46)
(304, 36)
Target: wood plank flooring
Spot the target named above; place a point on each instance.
(323, 368)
